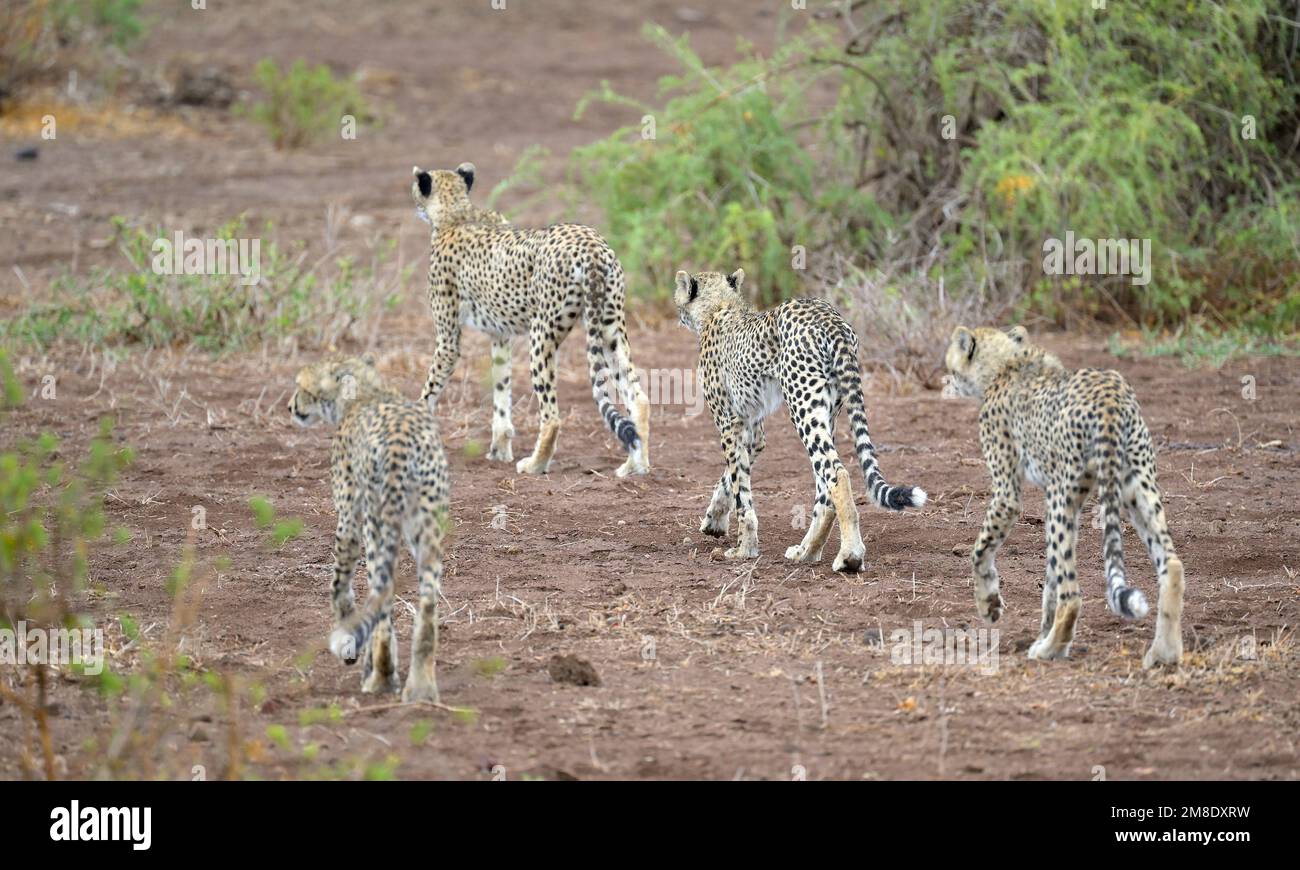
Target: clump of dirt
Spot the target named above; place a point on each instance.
(571, 669)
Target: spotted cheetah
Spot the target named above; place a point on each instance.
(1067, 432)
(802, 353)
(390, 483)
(506, 281)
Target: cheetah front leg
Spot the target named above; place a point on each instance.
(1002, 513)
(717, 518)
(446, 317)
(502, 429)
(738, 468)
(542, 348)
(347, 550)
(1061, 600)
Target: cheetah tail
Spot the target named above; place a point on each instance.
(1124, 600)
(598, 362)
(849, 383)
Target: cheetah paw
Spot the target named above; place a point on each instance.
(529, 465)
(798, 553)
(632, 466)
(1045, 651)
(415, 692)
(740, 551)
(378, 684)
(501, 452)
(848, 562)
(1163, 653)
(715, 527)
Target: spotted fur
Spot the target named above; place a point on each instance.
(802, 353)
(390, 483)
(506, 281)
(1070, 432)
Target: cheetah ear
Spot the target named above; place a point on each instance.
(425, 180)
(687, 286)
(1018, 334)
(466, 171)
(736, 278)
(964, 339)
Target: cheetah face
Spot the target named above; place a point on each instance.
(975, 356)
(438, 192)
(697, 296)
(325, 389)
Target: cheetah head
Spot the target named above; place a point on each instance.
(441, 191)
(698, 296)
(326, 388)
(976, 356)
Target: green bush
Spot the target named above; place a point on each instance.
(210, 312)
(951, 138)
(303, 104)
(38, 38)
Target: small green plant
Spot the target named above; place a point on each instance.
(51, 517)
(211, 312)
(280, 531)
(303, 104)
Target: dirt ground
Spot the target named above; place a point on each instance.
(704, 669)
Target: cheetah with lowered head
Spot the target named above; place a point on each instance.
(802, 353)
(506, 281)
(1068, 432)
(390, 483)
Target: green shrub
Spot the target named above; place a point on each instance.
(208, 311)
(303, 104)
(948, 139)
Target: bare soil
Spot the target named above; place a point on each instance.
(588, 628)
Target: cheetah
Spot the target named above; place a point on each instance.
(802, 353)
(505, 281)
(1069, 432)
(390, 484)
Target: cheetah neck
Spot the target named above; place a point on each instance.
(367, 395)
(714, 315)
(1030, 366)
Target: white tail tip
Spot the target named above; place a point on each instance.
(919, 497)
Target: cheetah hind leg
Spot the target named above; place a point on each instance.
(422, 681)
(380, 658)
(819, 529)
(543, 342)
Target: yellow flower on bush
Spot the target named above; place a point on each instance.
(1010, 186)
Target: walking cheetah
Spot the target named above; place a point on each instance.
(506, 281)
(1067, 432)
(390, 483)
(802, 353)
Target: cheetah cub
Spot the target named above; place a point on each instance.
(1067, 432)
(802, 353)
(390, 482)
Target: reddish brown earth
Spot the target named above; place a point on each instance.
(705, 668)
